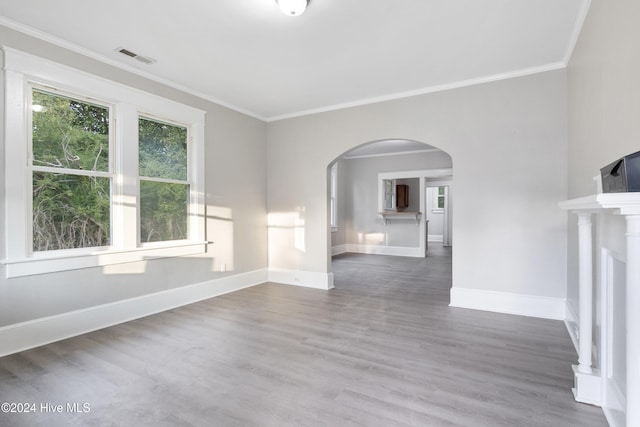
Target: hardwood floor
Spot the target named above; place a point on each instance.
(382, 349)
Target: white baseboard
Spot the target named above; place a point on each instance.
(338, 249)
(587, 386)
(307, 279)
(34, 333)
(386, 250)
(435, 238)
(503, 302)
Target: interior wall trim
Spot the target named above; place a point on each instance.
(34, 333)
(508, 303)
(307, 279)
(385, 250)
(338, 249)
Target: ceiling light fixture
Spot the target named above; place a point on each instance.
(292, 7)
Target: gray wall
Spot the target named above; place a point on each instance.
(509, 136)
(362, 197)
(603, 90)
(235, 198)
(604, 103)
(604, 106)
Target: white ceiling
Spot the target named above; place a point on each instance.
(249, 56)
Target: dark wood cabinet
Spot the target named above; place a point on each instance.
(402, 196)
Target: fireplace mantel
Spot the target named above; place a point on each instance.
(625, 203)
(590, 383)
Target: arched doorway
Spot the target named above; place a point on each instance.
(378, 199)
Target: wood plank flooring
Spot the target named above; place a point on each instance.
(382, 349)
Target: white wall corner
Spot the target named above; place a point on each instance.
(38, 332)
(508, 303)
(307, 279)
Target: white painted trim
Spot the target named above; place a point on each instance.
(424, 173)
(394, 153)
(74, 260)
(587, 386)
(23, 70)
(34, 333)
(503, 302)
(385, 250)
(571, 322)
(423, 91)
(338, 249)
(612, 404)
(30, 31)
(435, 238)
(575, 35)
(613, 399)
(307, 279)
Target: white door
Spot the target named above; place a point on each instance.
(438, 212)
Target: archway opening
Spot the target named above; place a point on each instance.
(383, 195)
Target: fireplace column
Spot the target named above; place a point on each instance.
(586, 381)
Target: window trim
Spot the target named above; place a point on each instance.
(24, 71)
(333, 197)
(109, 173)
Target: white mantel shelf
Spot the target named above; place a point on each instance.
(627, 203)
(588, 381)
(386, 216)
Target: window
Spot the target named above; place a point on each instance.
(440, 198)
(164, 188)
(71, 172)
(389, 194)
(333, 199)
(79, 187)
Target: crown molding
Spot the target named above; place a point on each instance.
(577, 29)
(425, 90)
(365, 101)
(41, 35)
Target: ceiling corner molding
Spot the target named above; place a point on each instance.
(423, 91)
(577, 29)
(46, 37)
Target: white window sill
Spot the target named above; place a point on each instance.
(50, 262)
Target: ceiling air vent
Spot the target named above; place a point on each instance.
(140, 58)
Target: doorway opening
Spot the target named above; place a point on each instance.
(438, 212)
(378, 200)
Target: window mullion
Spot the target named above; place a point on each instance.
(125, 191)
(26, 75)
